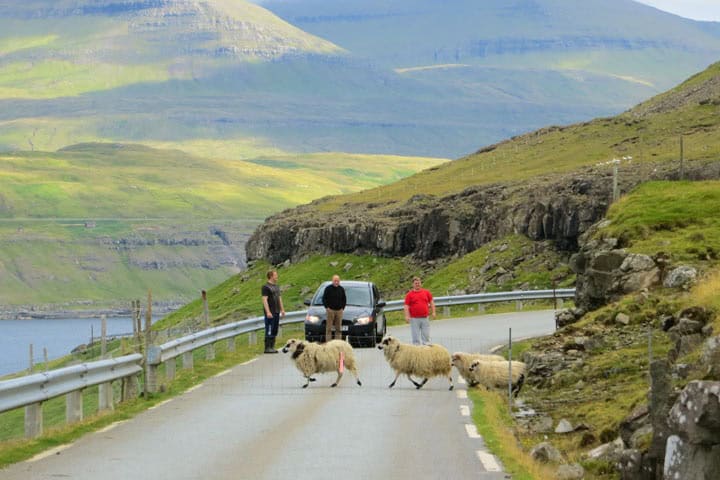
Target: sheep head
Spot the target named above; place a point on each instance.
(387, 342)
(295, 346)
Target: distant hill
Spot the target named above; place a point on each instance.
(425, 78)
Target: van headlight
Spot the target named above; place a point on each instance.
(363, 320)
(312, 318)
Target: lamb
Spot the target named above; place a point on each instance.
(461, 361)
(313, 358)
(495, 374)
(421, 360)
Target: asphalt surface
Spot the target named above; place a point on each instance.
(255, 422)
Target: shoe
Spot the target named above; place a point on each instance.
(270, 345)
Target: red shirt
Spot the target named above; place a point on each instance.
(418, 301)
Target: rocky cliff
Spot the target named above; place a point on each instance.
(554, 207)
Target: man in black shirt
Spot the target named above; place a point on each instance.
(273, 310)
(334, 302)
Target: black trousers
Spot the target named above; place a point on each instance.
(271, 325)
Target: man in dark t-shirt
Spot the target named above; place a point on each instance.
(272, 309)
(334, 302)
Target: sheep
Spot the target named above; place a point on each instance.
(421, 360)
(495, 374)
(461, 361)
(313, 358)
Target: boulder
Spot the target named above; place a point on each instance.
(609, 452)
(544, 452)
(622, 319)
(711, 356)
(695, 417)
(570, 472)
(564, 426)
(680, 277)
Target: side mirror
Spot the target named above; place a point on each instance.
(380, 304)
(307, 302)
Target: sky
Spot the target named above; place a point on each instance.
(695, 9)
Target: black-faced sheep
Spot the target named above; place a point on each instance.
(462, 361)
(424, 361)
(311, 358)
(495, 374)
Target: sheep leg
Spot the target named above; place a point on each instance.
(337, 380)
(516, 388)
(417, 385)
(308, 382)
(393, 382)
(451, 383)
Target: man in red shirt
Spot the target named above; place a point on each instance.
(418, 302)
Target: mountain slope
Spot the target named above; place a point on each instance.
(550, 184)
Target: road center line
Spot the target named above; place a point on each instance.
(464, 410)
(461, 381)
(488, 461)
(461, 393)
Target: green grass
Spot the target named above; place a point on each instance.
(678, 218)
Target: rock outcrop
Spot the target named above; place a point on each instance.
(557, 207)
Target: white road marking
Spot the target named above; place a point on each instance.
(249, 362)
(488, 461)
(464, 410)
(461, 381)
(192, 389)
(223, 373)
(49, 453)
(471, 430)
(110, 427)
(461, 393)
(160, 404)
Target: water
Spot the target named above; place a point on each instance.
(59, 336)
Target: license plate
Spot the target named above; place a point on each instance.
(345, 328)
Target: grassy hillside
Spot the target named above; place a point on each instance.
(676, 218)
(649, 132)
(161, 219)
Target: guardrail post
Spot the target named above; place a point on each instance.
(105, 400)
(152, 362)
(129, 387)
(187, 360)
(231, 344)
(210, 349)
(252, 338)
(518, 305)
(170, 369)
(481, 308)
(33, 420)
(74, 406)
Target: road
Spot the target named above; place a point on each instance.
(255, 422)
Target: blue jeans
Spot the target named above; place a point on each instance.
(271, 325)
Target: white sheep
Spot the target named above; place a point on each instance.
(313, 358)
(495, 374)
(421, 360)
(462, 361)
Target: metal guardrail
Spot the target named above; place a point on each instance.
(40, 387)
(174, 348)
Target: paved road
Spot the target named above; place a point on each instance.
(255, 422)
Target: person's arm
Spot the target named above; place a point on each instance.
(325, 294)
(268, 313)
(343, 298)
(432, 305)
(282, 309)
(407, 313)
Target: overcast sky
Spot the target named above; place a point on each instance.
(696, 9)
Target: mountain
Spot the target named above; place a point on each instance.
(551, 184)
(431, 79)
